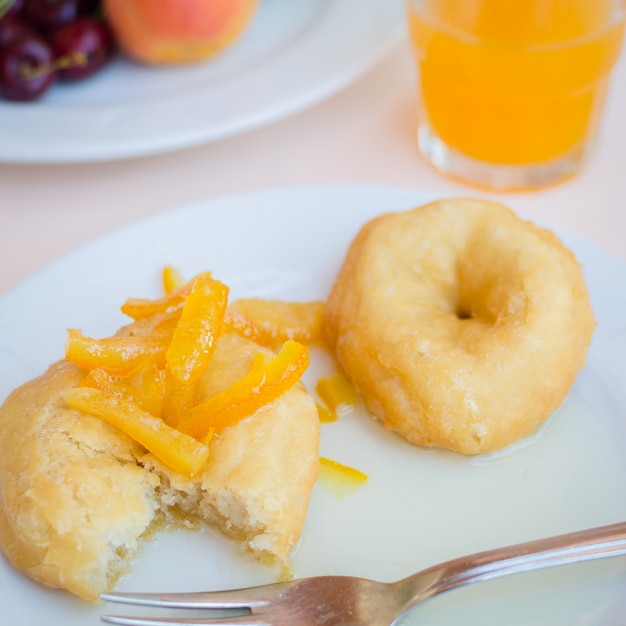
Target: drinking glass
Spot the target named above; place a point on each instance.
(511, 92)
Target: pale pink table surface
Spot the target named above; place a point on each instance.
(363, 135)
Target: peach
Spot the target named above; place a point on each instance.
(177, 31)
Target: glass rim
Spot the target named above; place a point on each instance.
(619, 17)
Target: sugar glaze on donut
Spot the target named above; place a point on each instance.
(462, 325)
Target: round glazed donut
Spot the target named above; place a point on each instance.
(461, 325)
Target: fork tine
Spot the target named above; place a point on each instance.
(238, 620)
(248, 598)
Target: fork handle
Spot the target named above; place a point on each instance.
(576, 547)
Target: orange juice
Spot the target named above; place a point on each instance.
(514, 82)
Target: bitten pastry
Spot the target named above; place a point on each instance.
(462, 325)
(80, 496)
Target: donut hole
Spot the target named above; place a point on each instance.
(471, 302)
(489, 285)
(484, 303)
(464, 314)
(476, 302)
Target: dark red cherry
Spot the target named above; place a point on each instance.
(49, 14)
(11, 28)
(81, 48)
(26, 68)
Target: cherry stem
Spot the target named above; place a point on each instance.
(76, 59)
(29, 72)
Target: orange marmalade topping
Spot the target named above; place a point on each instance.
(145, 385)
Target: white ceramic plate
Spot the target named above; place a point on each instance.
(293, 55)
(418, 507)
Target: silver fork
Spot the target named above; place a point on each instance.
(349, 601)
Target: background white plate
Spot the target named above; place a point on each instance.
(418, 507)
(293, 55)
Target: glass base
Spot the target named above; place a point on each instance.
(494, 176)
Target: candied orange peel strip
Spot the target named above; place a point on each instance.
(347, 471)
(144, 386)
(138, 308)
(237, 322)
(197, 330)
(276, 321)
(339, 478)
(172, 279)
(193, 344)
(265, 382)
(117, 356)
(178, 450)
